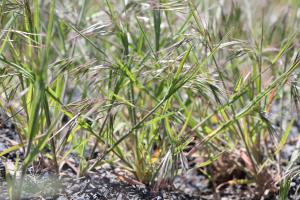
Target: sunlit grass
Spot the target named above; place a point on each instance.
(139, 83)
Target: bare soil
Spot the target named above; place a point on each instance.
(108, 182)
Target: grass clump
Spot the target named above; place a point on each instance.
(148, 85)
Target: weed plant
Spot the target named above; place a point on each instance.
(147, 85)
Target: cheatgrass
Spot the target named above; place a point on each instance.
(145, 85)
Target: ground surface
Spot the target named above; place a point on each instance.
(112, 183)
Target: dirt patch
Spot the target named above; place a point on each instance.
(111, 183)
